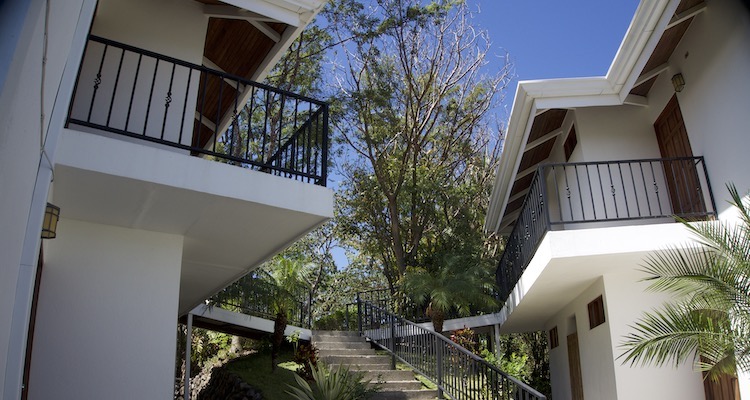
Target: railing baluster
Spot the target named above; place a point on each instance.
(97, 82)
(150, 97)
(114, 89)
(184, 105)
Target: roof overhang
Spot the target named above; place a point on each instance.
(641, 55)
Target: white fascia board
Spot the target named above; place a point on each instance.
(645, 30)
(509, 158)
(268, 9)
(297, 13)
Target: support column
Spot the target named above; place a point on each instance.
(188, 348)
(497, 341)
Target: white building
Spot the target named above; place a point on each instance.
(580, 220)
(119, 129)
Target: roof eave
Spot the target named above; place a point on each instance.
(650, 20)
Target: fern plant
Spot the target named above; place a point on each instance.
(340, 384)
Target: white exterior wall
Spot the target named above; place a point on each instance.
(20, 110)
(605, 376)
(594, 348)
(628, 299)
(107, 314)
(715, 100)
(175, 29)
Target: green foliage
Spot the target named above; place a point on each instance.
(418, 145)
(525, 357)
(306, 355)
(708, 321)
(340, 384)
(467, 339)
(459, 283)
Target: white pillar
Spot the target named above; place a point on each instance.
(188, 346)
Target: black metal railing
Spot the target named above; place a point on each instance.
(400, 304)
(457, 372)
(568, 195)
(261, 299)
(141, 94)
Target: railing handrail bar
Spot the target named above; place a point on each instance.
(296, 133)
(455, 346)
(188, 64)
(635, 160)
(202, 151)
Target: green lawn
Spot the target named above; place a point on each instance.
(255, 369)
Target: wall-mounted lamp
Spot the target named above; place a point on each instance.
(51, 216)
(678, 81)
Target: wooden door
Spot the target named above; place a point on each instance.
(574, 364)
(725, 388)
(681, 176)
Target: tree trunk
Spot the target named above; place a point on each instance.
(279, 325)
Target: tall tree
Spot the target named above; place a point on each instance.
(709, 322)
(420, 149)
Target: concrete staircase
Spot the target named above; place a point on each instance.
(350, 350)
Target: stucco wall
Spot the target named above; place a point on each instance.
(628, 299)
(714, 58)
(594, 348)
(107, 314)
(20, 110)
(172, 27)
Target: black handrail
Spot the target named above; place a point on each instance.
(256, 297)
(457, 372)
(160, 99)
(567, 195)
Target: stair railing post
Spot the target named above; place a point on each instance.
(393, 341)
(188, 355)
(359, 315)
(439, 367)
(346, 317)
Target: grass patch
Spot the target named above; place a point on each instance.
(255, 369)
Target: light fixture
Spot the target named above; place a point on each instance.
(51, 216)
(678, 81)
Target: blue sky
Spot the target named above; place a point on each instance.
(553, 38)
(549, 39)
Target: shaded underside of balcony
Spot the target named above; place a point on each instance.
(566, 263)
(231, 219)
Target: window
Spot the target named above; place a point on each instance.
(554, 341)
(596, 312)
(570, 143)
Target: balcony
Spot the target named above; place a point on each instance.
(135, 94)
(566, 196)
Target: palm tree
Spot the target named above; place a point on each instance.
(458, 283)
(708, 322)
(290, 278)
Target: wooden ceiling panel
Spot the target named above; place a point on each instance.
(668, 42)
(237, 46)
(644, 88)
(537, 154)
(546, 122)
(686, 5)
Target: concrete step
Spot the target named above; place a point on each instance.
(391, 385)
(345, 352)
(337, 339)
(357, 360)
(405, 394)
(334, 333)
(388, 375)
(342, 346)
